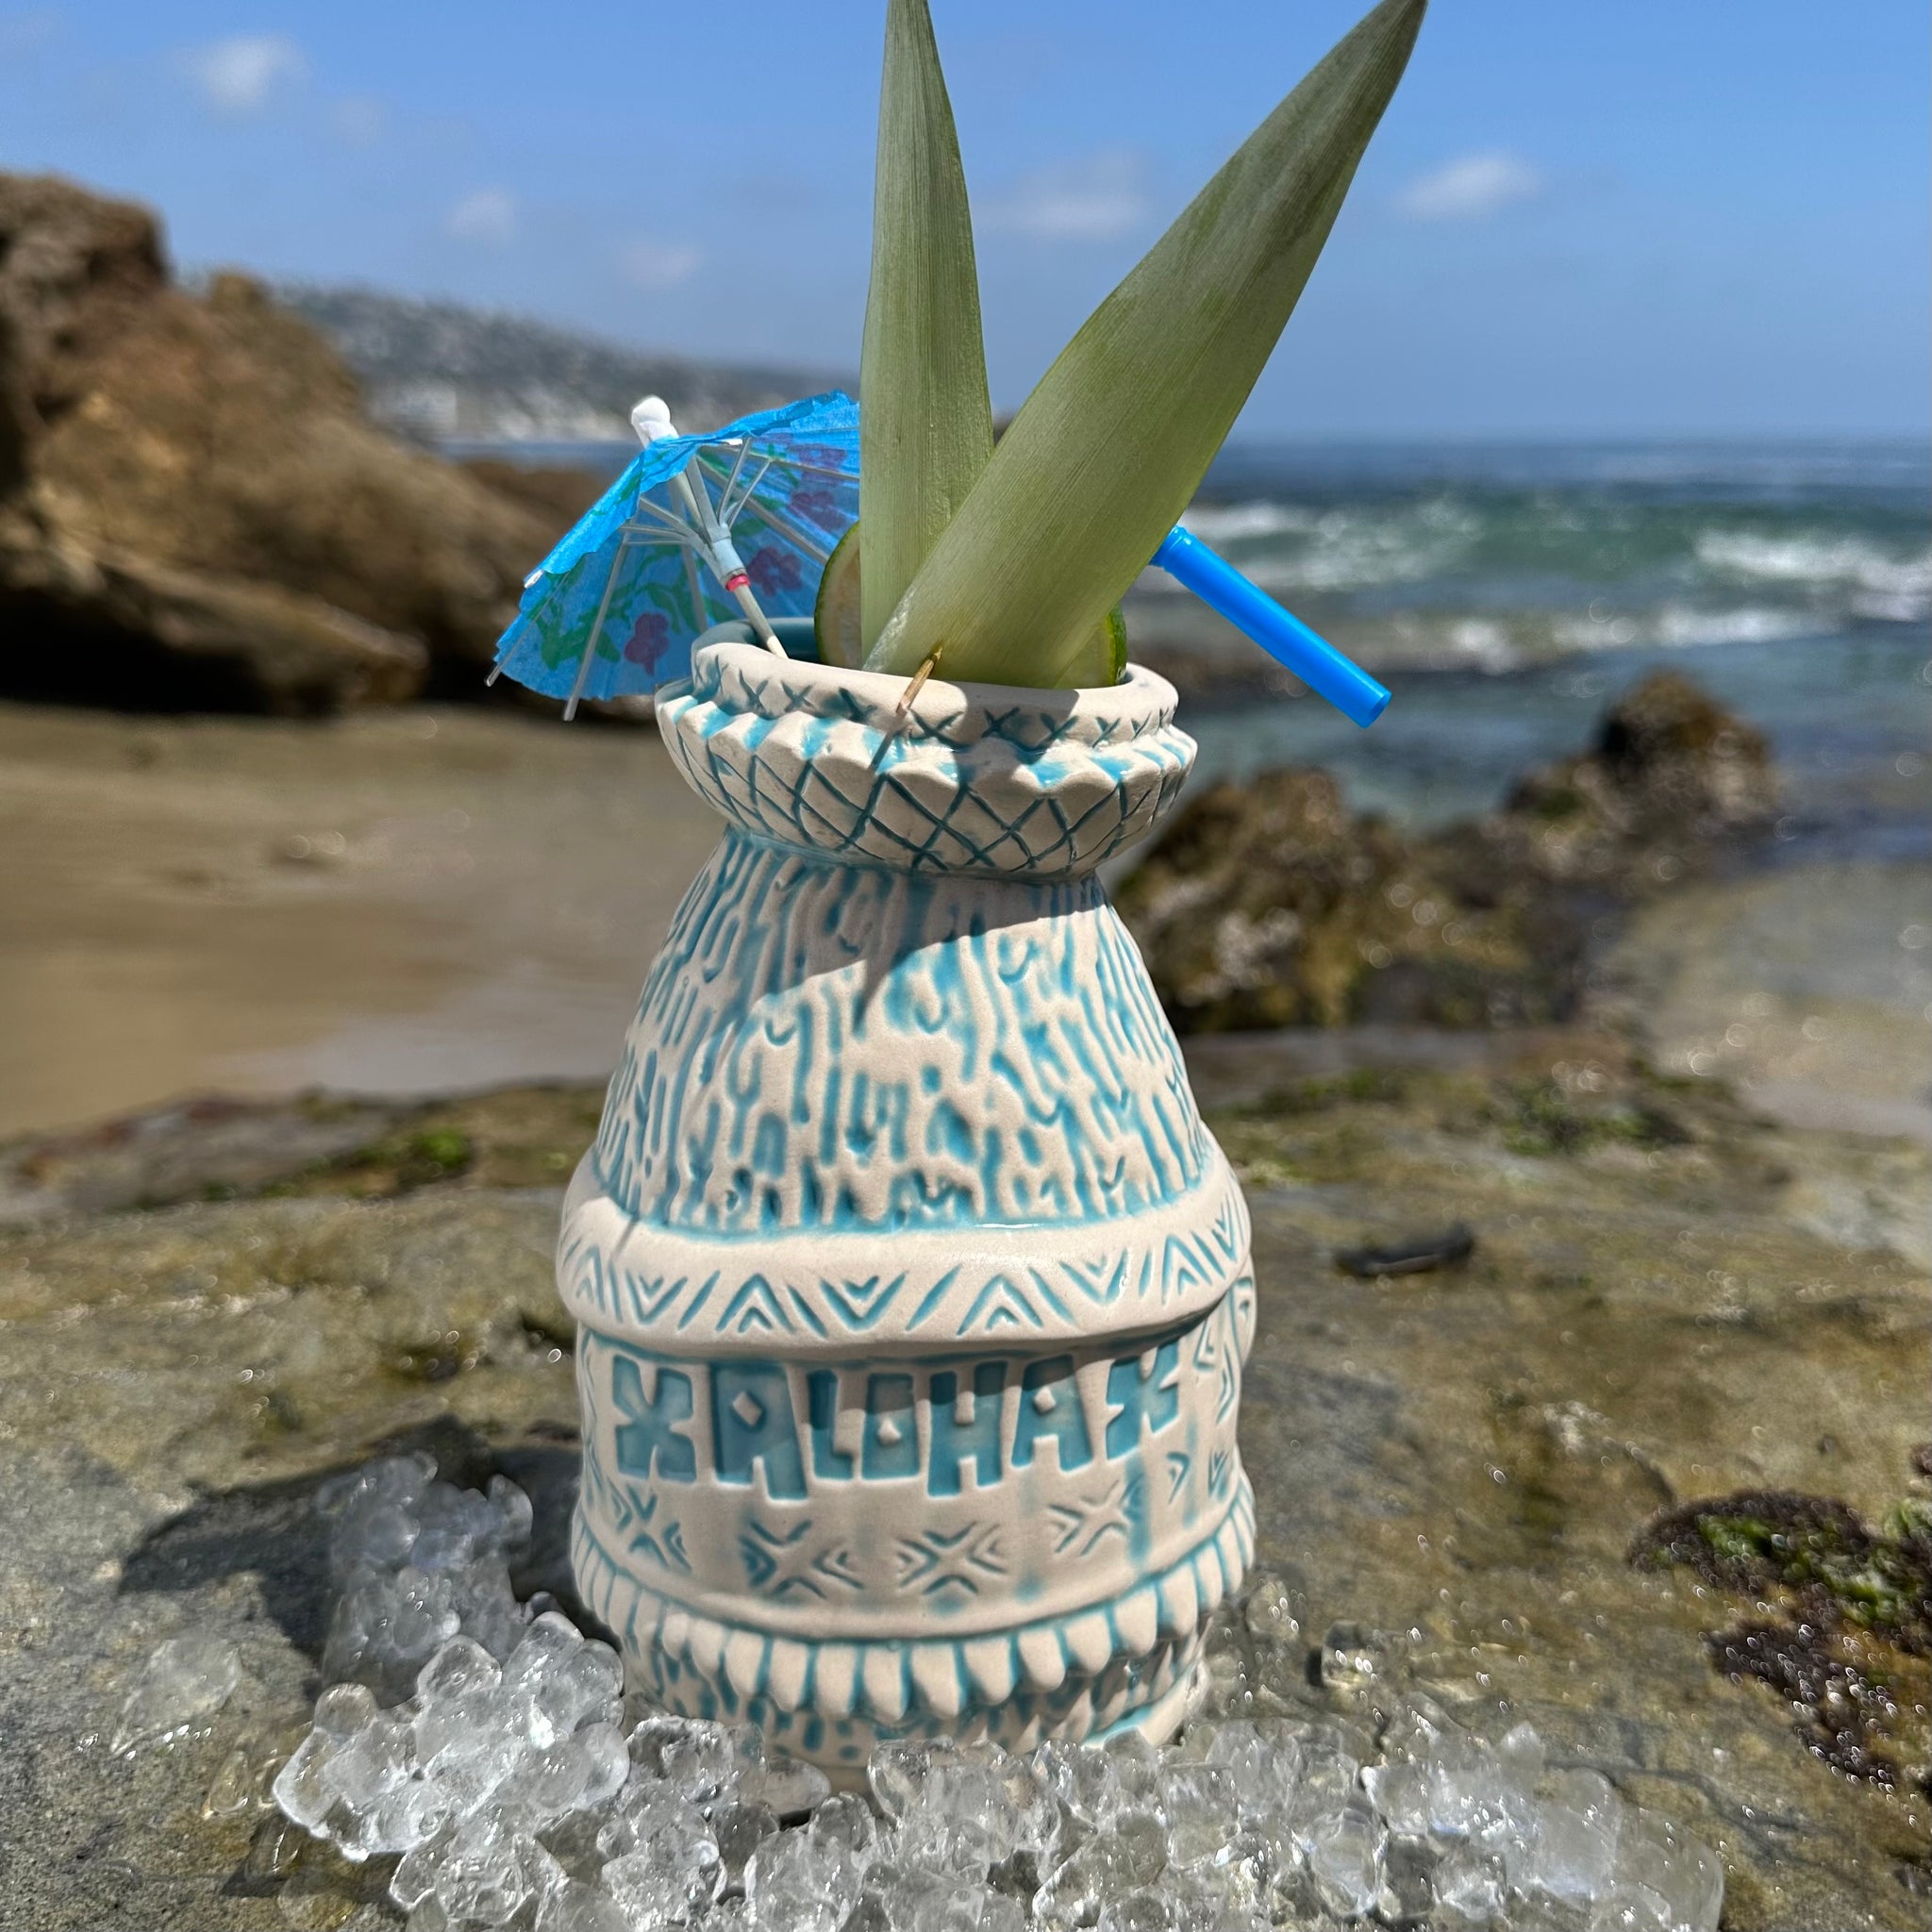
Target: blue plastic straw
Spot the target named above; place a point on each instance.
(1280, 633)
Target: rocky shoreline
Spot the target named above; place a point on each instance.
(1269, 904)
(1658, 1313)
(1625, 1442)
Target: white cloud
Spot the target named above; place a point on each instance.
(237, 76)
(1471, 187)
(1093, 199)
(487, 218)
(658, 264)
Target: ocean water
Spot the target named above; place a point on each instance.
(1508, 592)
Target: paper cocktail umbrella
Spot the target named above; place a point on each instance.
(737, 521)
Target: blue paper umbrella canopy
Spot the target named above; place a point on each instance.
(614, 609)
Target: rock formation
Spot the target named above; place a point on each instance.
(195, 511)
(1270, 905)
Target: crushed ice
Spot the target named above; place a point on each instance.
(486, 1750)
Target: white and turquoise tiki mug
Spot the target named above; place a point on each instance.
(912, 1294)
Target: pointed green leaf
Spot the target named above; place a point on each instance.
(926, 424)
(1108, 451)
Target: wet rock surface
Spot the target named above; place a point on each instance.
(1451, 1467)
(1269, 903)
(195, 511)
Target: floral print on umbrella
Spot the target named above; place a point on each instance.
(616, 588)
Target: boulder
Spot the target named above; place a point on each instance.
(194, 509)
(1269, 903)
(1671, 779)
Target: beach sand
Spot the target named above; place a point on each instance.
(398, 902)
(434, 900)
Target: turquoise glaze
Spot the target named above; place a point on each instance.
(912, 1294)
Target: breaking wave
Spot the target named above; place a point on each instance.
(1521, 554)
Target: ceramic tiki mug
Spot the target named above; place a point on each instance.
(912, 1292)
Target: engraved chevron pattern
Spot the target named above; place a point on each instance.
(947, 1567)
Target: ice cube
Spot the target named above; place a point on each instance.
(1408, 1880)
(572, 1774)
(1272, 1612)
(462, 1666)
(1228, 1682)
(673, 1875)
(1573, 1855)
(1087, 1782)
(184, 1679)
(454, 1527)
(487, 1608)
(845, 1822)
(1466, 1783)
(411, 1814)
(962, 1821)
(1520, 1752)
(477, 1740)
(386, 1627)
(789, 1788)
(298, 1787)
(1136, 1767)
(342, 1709)
(414, 1878)
(371, 1762)
(575, 1907)
(1236, 1746)
(1201, 1803)
(1037, 1815)
(792, 1885)
(1105, 1868)
(585, 1687)
(1344, 1856)
(1630, 1908)
(1469, 1888)
(1243, 1874)
(652, 1731)
(391, 1478)
(1322, 1791)
(513, 1513)
(480, 1875)
(740, 1829)
(548, 1640)
(898, 1770)
(1671, 1865)
(572, 1839)
(667, 1835)
(1400, 1791)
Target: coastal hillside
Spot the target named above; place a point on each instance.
(442, 373)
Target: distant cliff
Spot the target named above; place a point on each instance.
(441, 373)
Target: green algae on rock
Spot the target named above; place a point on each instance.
(1843, 1622)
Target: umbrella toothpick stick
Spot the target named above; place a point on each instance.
(722, 554)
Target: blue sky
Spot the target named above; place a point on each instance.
(1623, 217)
